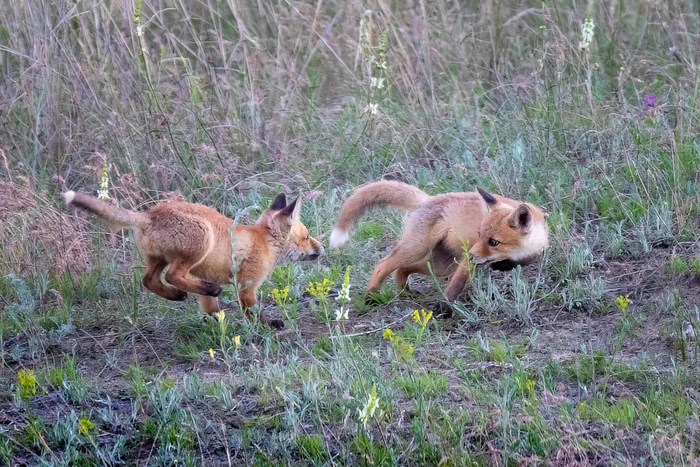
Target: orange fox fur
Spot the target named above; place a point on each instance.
(193, 245)
(500, 232)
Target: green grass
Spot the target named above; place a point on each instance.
(423, 384)
(228, 108)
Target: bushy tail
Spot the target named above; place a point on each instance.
(382, 193)
(116, 216)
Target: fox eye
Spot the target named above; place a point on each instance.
(493, 242)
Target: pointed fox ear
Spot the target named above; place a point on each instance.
(521, 219)
(488, 197)
(278, 203)
(292, 211)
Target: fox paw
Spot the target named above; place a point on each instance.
(212, 289)
(179, 295)
(207, 318)
(275, 323)
(443, 309)
(408, 293)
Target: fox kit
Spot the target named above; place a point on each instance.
(193, 244)
(500, 232)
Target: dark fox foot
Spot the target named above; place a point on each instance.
(208, 318)
(443, 309)
(274, 323)
(212, 289)
(179, 295)
(408, 293)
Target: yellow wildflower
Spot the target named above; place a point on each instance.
(387, 333)
(422, 317)
(212, 352)
(237, 341)
(530, 384)
(26, 380)
(220, 315)
(623, 302)
(85, 425)
(320, 289)
(280, 296)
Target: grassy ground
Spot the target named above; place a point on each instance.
(227, 104)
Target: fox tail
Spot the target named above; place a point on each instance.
(382, 193)
(116, 216)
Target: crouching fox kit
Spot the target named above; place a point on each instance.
(500, 232)
(192, 243)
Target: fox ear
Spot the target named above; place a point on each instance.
(292, 211)
(488, 197)
(278, 203)
(521, 219)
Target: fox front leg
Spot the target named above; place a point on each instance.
(458, 281)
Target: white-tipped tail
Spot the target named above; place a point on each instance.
(69, 196)
(338, 237)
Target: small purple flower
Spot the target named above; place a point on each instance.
(650, 101)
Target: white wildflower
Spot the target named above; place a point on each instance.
(371, 108)
(139, 30)
(103, 193)
(368, 410)
(341, 314)
(344, 295)
(377, 83)
(586, 33)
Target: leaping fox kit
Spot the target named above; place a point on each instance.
(192, 244)
(501, 232)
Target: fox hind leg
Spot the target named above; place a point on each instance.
(404, 255)
(402, 274)
(152, 280)
(178, 276)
